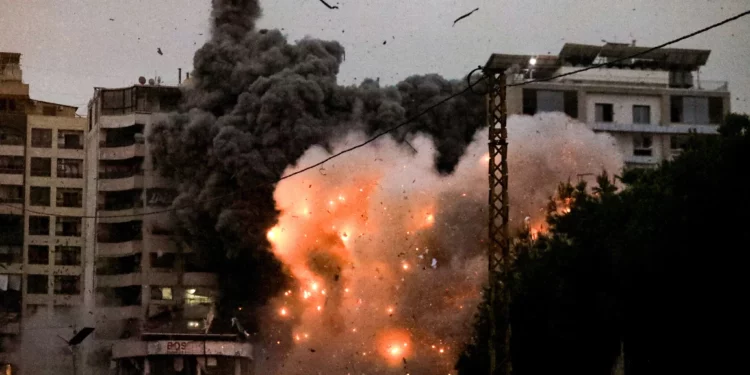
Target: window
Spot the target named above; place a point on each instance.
(10, 137)
(49, 110)
(678, 142)
(40, 196)
(41, 138)
(67, 226)
(715, 110)
(604, 112)
(550, 101)
(11, 194)
(39, 225)
(70, 139)
(12, 164)
(693, 110)
(70, 168)
(38, 254)
(69, 197)
(37, 284)
(41, 167)
(642, 145)
(641, 114)
(67, 256)
(159, 293)
(70, 285)
(10, 253)
(165, 261)
(117, 102)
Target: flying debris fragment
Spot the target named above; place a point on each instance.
(158, 50)
(329, 6)
(464, 16)
(434, 263)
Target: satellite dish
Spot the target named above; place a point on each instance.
(151, 82)
(142, 80)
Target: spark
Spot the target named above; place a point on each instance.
(306, 294)
(346, 290)
(430, 219)
(390, 310)
(314, 286)
(405, 266)
(323, 292)
(341, 198)
(283, 311)
(320, 308)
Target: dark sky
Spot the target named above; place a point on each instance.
(72, 46)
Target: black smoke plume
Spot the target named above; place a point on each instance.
(255, 104)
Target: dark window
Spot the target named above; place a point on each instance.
(38, 254)
(678, 142)
(716, 110)
(675, 109)
(67, 255)
(67, 226)
(11, 230)
(120, 232)
(641, 114)
(118, 265)
(12, 164)
(642, 145)
(40, 196)
(120, 200)
(529, 102)
(70, 168)
(164, 261)
(69, 197)
(70, 285)
(39, 225)
(550, 101)
(41, 138)
(120, 137)
(112, 169)
(571, 103)
(41, 167)
(604, 112)
(37, 284)
(11, 194)
(117, 102)
(10, 253)
(49, 110)
(10, 137)
(70, 139)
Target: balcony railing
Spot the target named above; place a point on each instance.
(121, 173)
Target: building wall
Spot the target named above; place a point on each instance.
(623, 106)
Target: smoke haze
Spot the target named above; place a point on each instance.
(389, 255)
(376, 256)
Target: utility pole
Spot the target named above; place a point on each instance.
(499, 241)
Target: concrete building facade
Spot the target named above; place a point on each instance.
(42, 170)
(151, 299)
(649, 104)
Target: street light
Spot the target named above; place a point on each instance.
(532, 64)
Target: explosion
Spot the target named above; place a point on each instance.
(374, 262)
(389, 256)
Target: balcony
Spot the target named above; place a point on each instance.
(122, 152)
(654, 128)
(634, 160)
(119, 249)
(120, 181)
(200, 279)
(116, 121)
(117, 281)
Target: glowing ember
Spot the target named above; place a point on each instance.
(283, 312)
(405, 266)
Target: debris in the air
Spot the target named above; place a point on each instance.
(464, 16)
(158, 50)
(329, 6)
(434, 263)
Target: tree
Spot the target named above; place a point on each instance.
(654, 267)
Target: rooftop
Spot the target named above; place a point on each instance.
(573, 54)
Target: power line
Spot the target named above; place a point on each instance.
(410, 120)
(600, 65)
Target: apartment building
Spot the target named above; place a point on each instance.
(649, 104)
(42, 173)
(151, 298)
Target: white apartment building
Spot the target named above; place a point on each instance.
(649, 104)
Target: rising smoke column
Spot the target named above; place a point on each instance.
(255, 104)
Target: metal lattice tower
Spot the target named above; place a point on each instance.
(499, 241)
